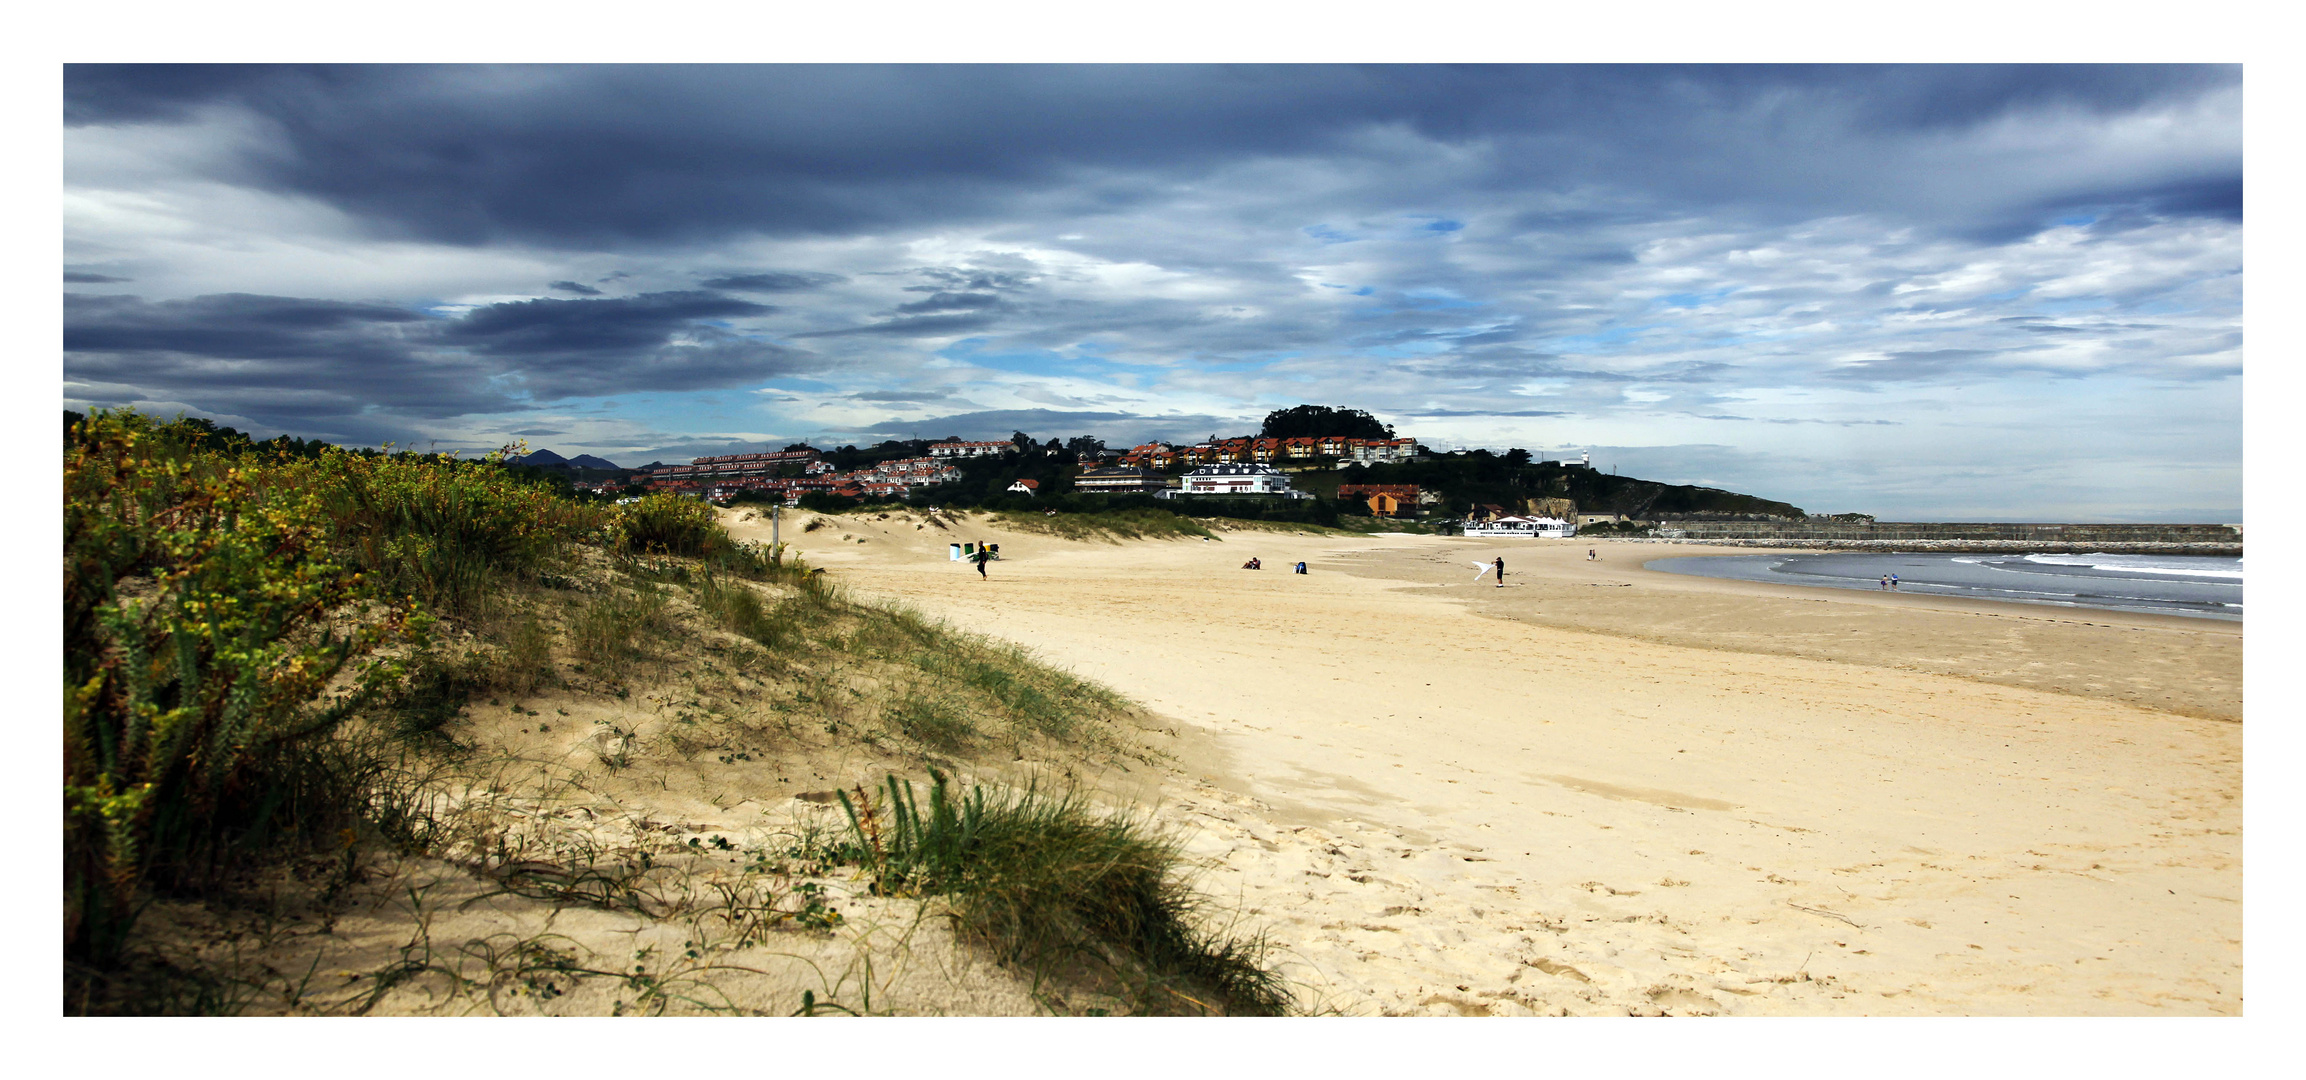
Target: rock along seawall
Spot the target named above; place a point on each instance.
(1989, 537)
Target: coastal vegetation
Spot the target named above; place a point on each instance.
(1469, 478)
(1134, 523)
(286, 674)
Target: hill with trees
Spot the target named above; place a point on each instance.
(1315, 421)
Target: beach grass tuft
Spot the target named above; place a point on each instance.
(1050, 885)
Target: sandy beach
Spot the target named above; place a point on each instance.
(1602, 790)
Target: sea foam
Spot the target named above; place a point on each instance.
(2143, 564)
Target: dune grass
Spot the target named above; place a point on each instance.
(1347, 526)
(1110, 525)
(1050, 885)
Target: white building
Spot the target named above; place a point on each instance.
(970, 449)
(1380, 451)
(1527, 528)
(1239, 480)
(1120, 481)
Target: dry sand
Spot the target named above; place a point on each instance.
(1602, 790)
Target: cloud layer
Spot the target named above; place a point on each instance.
(1857, 277)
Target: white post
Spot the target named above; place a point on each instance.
(775, 509)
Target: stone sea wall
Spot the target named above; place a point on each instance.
(1949, 530)
(1984, 547)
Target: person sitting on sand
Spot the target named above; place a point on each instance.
(1253, 564)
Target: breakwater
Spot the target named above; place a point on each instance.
(1989, 537)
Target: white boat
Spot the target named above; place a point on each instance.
(1532, 528)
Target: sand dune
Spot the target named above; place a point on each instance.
(1600, 790)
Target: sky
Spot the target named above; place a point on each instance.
(1927, 293)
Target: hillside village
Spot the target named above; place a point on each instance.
(1368, 470)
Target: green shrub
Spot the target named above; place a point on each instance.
(207, 619)
(437, 527)
(663, 524)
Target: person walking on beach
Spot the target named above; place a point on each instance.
(1501, 571)
(981, 557)
(1893, 582)
(1885, 582)
(1589, 556)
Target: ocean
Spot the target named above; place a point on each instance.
(2202, 586)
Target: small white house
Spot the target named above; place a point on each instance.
(1026, 487)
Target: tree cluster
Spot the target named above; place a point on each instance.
(1316, 421)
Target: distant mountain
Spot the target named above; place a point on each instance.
(546, 459)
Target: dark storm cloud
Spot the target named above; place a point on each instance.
(2113, 208)
(235, 326)
(617, 328)
(292, 357)
(299, 365)
(581, 156)
(771, 281)
(577, 288)
(116, 93)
